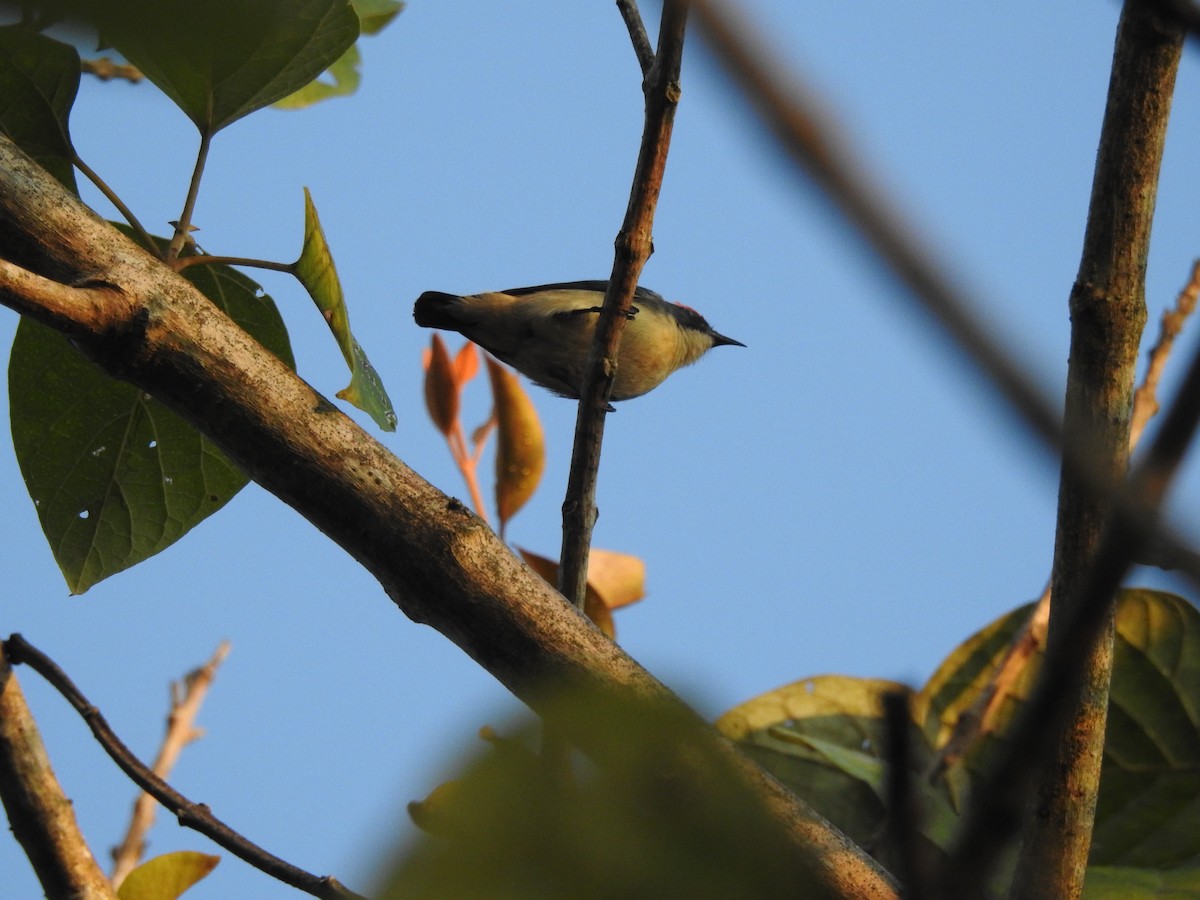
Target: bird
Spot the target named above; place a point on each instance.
(545, 333)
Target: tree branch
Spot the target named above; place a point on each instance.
(637, 34)
(192, 815)
(1145, 398)
(634, 245)
(438, 562)
(39, 813)
(797, 122)
(1108, 315)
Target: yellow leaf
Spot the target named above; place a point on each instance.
(520, 445)
(435, 814)
(166, 877)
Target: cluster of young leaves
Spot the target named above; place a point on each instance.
(614, 579)
(115, 476)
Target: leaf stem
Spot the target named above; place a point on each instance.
(206, 260)
(111, 196)
(189, 205)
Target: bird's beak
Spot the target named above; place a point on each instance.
(720, 340)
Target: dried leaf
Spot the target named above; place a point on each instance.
(618, 578)
(520, 444)
(594, 606)
(441, 386)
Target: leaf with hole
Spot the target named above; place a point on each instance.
(116, 477)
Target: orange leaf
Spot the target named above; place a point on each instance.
(520, 444)
(466, 364)
(618, 578)
(441, 389)
(594, 606)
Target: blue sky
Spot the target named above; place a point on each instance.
(843, 495)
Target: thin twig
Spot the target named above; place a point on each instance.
(143, 235)
(637, 34)
(633, 247)
(191, 815)
(804, 131)
(980, 719)
(1145, 399)
(186, 700)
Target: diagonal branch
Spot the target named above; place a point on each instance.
(436, 560)
(797, 122)
(192, 815)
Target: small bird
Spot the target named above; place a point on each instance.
(545, 333)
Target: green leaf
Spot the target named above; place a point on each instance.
(343, 77)
(1148, 812)
(339, 80)
(1116, 883)
(222, 59)
(821, 737)
(39, 78)
(511, 827)
(375, 15)
(166, 877)
(315, 270)
(115, 476)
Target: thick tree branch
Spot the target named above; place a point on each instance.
(39, 813)
(436, 560)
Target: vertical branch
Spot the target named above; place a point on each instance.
(633, 247)
(1108, 314)
(39, 814)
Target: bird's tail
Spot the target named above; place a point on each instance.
(435, 309)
